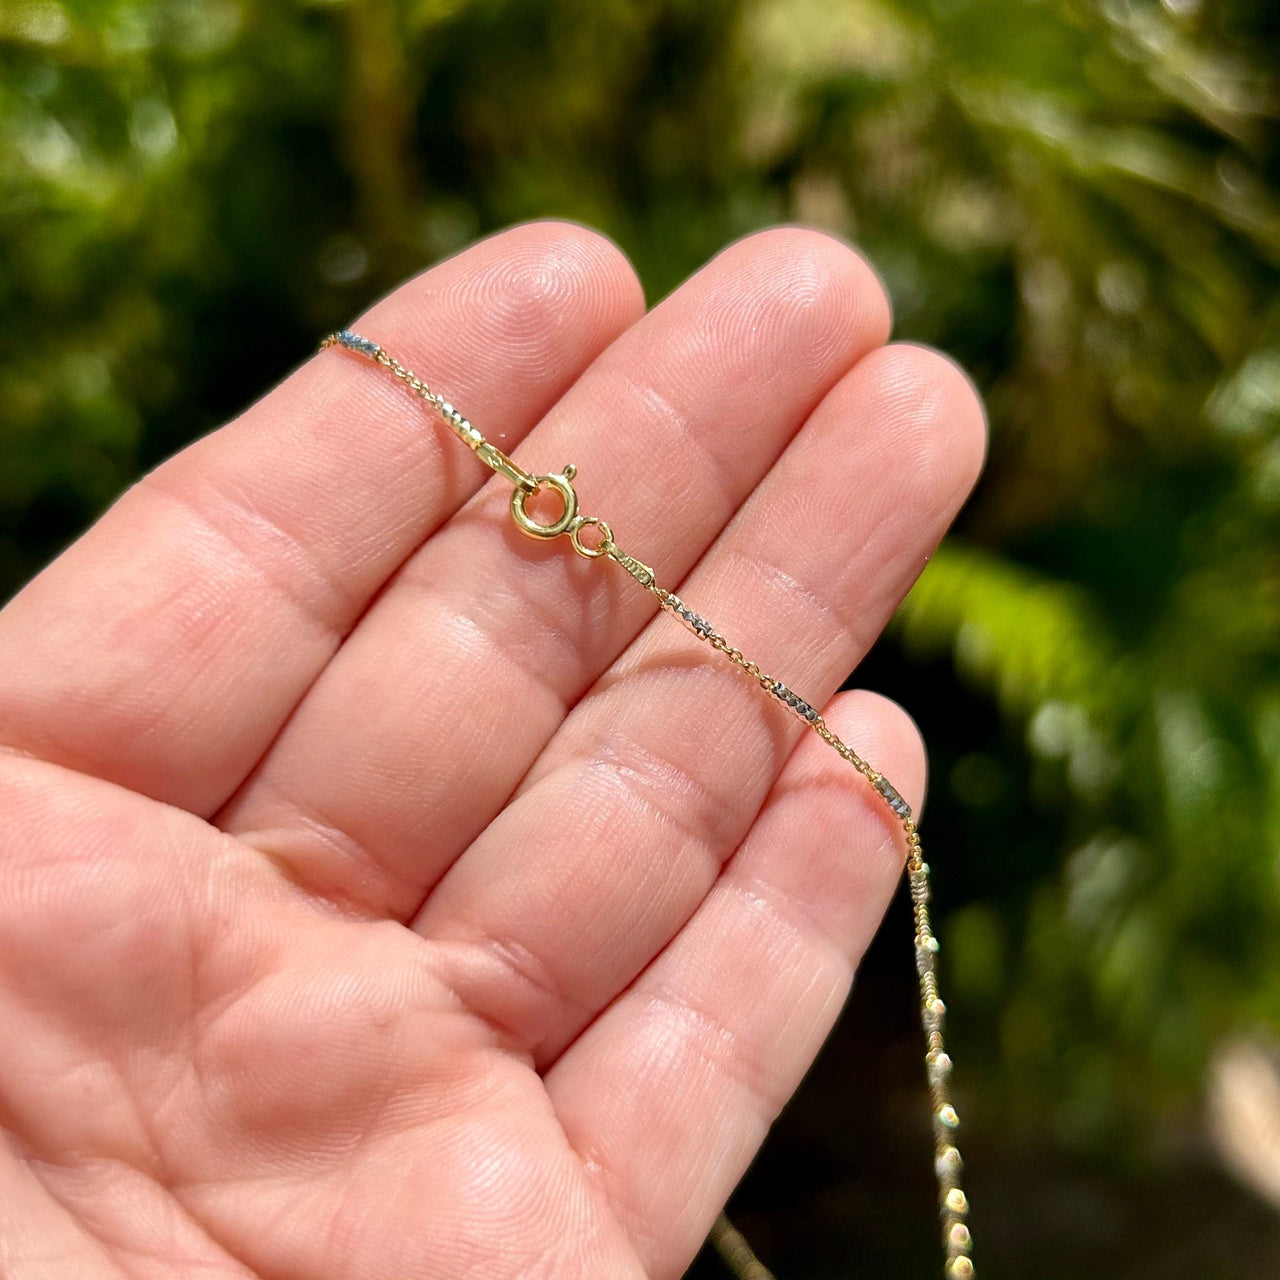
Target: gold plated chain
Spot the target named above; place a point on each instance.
(593, 538)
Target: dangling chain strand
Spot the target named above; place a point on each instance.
(953, 1204)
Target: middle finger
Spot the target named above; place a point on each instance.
(462, 671)
(623, 824)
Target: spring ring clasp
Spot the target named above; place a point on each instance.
(568, 521)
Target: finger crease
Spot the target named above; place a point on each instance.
(330, 607)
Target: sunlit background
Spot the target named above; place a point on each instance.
(1081, 201)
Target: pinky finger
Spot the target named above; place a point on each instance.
(669, 1093)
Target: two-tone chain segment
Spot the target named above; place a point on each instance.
(593, 538)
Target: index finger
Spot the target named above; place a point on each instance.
(164, 650)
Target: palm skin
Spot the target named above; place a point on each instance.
(384, 894)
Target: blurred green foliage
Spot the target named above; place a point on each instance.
(1079, 200)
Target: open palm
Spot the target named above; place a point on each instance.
(383, 894)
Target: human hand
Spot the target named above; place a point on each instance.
(384, 894)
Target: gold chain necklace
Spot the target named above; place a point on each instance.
(598, 544)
